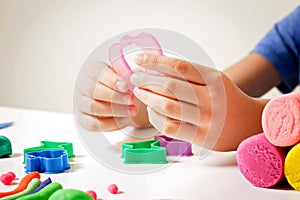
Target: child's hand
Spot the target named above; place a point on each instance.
(196, 103)
(103, 102)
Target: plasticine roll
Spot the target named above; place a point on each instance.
(281, 120)
(260, 162)
(292, 167)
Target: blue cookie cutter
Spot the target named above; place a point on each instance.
(174, 146)
(146, 152)
(48, 161)
(49, 145)
(5, 146)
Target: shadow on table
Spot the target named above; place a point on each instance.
(14, 155)
(75, 163)
(283, 185)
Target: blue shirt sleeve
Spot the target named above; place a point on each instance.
(281, 46)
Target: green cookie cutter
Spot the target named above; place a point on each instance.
(146, 152)
(5, 146)
(49, 145)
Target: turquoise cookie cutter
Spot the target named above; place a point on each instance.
(48, 161)
(49, 145)
(5, 146)
(146, 152)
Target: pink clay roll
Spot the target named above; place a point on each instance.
(281, 120)
(260, 162)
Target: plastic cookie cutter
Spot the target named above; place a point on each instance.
(48, 145)
(174, 146)
(147, 152)
(145, 41)
(5, 146)
(48, 161)
(6, 124)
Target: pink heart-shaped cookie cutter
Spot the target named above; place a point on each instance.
(147, 42)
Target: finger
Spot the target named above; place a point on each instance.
(96, 124)
(172, 88)
(98, 91)
(107, 94)
(105, 109)
(171, 108)
(102, 73)
(175, 67)
(174, 128)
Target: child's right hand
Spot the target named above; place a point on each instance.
(102, 100)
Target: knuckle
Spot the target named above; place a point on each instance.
(168, 107)
(155, 59)
(90, 92)
(180, 66)
(169, 128)
(91, 107)
(171, 85)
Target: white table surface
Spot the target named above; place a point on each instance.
(191, 178)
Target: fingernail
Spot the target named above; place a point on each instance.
(128, 99)
(121, 86)
(148, 109)
(135, 78)
(140, 59)
(133, 110)
(136, 90)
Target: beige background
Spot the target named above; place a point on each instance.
(43, 43)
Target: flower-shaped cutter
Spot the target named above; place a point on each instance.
(48, 161)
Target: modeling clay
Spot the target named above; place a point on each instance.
(260, 162)
(41, 186)
(144, 152)
(281, 120)
(113, 188)
(7, 178)
(34, 183)
(292, 167)
(49, 161)
(175, 147)
(6, 124)
(70, 194)
(5, 146)
(23, 184)
(48, 145)
(44, 193)
(92, 194)
(145, 41)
